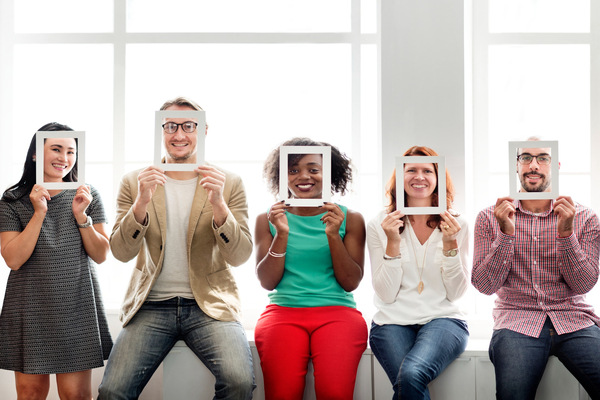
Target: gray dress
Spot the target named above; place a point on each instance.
(52, 319)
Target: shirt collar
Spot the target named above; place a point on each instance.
(517, 204)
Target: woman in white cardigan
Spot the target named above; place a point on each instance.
(419, 270)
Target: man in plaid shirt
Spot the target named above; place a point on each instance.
(540, 257)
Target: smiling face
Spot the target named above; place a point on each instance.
(60, 155)
(180, 146)
(420, 181)
(305, 177)
(535, 177)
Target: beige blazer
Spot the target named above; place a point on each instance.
(211, 251)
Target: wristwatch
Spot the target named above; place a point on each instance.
(450, 253)
(86, 224)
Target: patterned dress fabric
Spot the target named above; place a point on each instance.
(52, 318)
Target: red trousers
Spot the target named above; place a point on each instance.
(333, 337)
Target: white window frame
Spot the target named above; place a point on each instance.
(482, 40)
(119, 38)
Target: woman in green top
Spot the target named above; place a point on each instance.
(310, 258)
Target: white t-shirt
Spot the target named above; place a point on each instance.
(174, 278)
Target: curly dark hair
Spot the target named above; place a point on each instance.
(341, 169)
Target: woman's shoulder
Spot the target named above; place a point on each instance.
(352, 214)
(16, 194)
(93, 190)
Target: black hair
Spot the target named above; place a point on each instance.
(25, 184)
(341, 169)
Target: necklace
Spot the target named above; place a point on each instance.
(420, 268)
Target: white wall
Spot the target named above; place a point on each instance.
(422, 83)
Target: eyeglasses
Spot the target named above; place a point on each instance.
(526, 159)
(188, 127)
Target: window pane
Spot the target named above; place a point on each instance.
(66, 83)
(238, 16)
(255, 96)
(540, 90)
(539, 16)
(60, 16)
(576, 186)
(368, 16)
(100, 176)
(369, 141)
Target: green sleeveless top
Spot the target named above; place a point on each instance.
(308, 279)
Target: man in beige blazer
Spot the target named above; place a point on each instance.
(186, 228)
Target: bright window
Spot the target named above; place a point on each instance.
(534, 64)
(264, 71)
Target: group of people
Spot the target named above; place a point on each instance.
(186, 229)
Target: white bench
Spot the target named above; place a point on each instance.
(471, 376)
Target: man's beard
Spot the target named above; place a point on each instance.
(545, 183)
(182, 159)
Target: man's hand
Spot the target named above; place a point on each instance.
(213, 181)
(504, 211)
(564, 207)
(148, 181)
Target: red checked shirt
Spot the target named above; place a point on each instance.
(535, 273)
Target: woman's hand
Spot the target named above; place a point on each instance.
(39, 198)
(81, 201)
(391, 225)
(332, 219)
(449, 226)
(277, 217)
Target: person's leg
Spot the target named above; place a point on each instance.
(390, 344)
(437, 344)
(223, 347)
(579, 352)
(336, 345)
(283, 346)
(139, 350)
(519, 363)
(75, 385)
(32, 387)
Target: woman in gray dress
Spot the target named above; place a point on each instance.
(52, 319)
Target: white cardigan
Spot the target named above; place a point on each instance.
(395, 282)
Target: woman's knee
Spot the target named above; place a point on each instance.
(412, 371)
(32, 387)
(32, 392)
(75, 393)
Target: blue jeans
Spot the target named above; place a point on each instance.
(520, 360)
(414, 355)
(147, 339)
